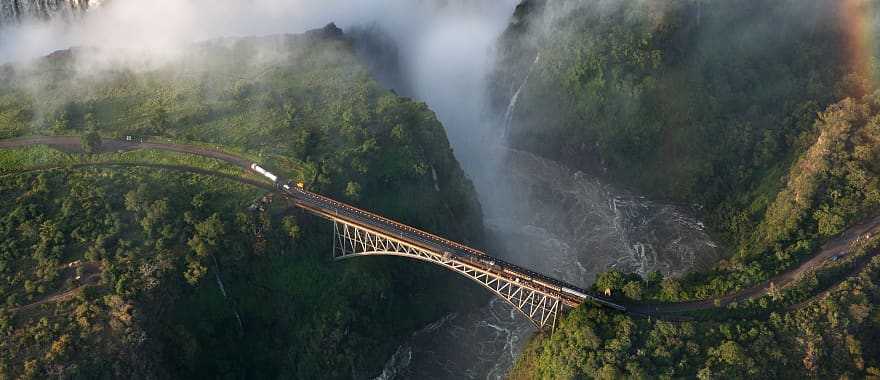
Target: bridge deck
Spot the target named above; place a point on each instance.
(333, 209)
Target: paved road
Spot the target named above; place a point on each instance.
(839, 246)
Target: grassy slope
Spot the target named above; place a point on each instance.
(304, 105)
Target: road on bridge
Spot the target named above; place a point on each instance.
(838, 247)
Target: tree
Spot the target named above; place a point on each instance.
(207, 235)
(62, 123)
(91, 142)
(633, 290)
(194, 272)
(291, 227)
(611, 280)
(670, 289)
(154, 215)
(159, 120)
(353, 190)
(58, 349)
(91, 122)
(830, 223)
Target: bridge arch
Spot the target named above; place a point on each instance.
(540, 308)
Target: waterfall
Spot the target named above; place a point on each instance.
(508, 115)
(16, 11)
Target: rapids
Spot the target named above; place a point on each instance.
(563, 223)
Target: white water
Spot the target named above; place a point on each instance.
(565, 224)
(511, 107)
(542, 215)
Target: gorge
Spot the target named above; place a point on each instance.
(665, 151)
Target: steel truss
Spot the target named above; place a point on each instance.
(541, 308)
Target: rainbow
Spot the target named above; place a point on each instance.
(857, 19)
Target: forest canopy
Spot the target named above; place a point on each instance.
(142, 272)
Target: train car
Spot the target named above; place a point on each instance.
(573, 292)
(264, 172)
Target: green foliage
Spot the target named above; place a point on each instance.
(612, 280)
(290, 226)
(718, 103)
(91, 142)
(830, 186)
(699, 109)
(823, 338)
(353, 191)
(633, 290)
(207, 236)
(162, 242)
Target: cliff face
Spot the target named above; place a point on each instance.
(15, 11)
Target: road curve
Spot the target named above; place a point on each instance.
(838, 247)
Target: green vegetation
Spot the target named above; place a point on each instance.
(834, 184)
(91, 142)
(749, 109)
(37, 157)
(153, 245)
(830, 337)
(702, 102)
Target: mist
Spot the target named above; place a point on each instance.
(445, 47)
(540, 213)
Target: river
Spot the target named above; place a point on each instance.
(539, 213)
(562, 223)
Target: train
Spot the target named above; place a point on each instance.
(472, 255)
(264, 172)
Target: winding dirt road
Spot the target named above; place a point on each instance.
(91, 275)
(834, 249)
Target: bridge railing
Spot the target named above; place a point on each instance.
(398, 225)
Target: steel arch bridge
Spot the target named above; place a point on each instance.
(358, 233)
(541, 308)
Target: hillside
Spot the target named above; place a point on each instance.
(699, 102)
(760, 113)
(151, 272)
(822, 325)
